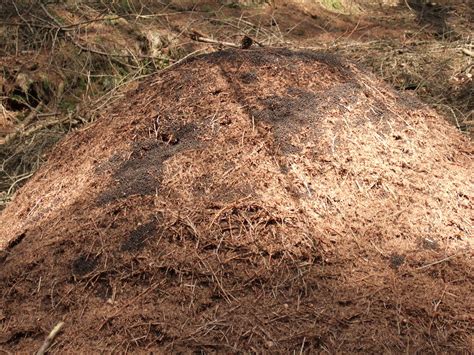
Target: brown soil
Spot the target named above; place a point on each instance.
(260, 200)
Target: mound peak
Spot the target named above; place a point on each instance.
(247, 200)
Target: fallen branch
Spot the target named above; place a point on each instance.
(213, 41)
(35, 128)
(438, 261)
(59, 27)
(96, 51)
(50, 339)
(33, 114)
(468, 52)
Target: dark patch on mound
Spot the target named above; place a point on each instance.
(13, 243)
(396, 260)
(136, 240)
(301, 108)
(103, 288)
(141, 173)
(249, 77)
(83, 265)
(16, 337)
(16, 241)
(260, 57)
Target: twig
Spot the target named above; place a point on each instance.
(121, 309)
(50, 338)
(184, 58)
(87, 49)
(73, 26)
(197, 38)
(22, 18)
(27, 176)
(28, 24)
(50, 16)
(245, 33)
(36, 128)
(438, 261)
(468, 52)
(33, 114)
(409, 7)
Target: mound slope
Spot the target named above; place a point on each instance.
(247, 200)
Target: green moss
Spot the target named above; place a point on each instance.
(249, 4)
(46, 85)
(68, 105)
(335, 5)
(206, 8)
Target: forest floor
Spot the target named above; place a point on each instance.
(183, 212)
(61, 64)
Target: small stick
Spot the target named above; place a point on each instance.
(437, 262)
(213, 41)
(50, 338)
(33, 114)
(468, 52)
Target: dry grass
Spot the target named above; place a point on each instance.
(439, 73)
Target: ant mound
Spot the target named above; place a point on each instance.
(260, 200)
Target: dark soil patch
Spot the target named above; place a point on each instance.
(136, 240)
(83, 265)
(434, 15)
(140, 173)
